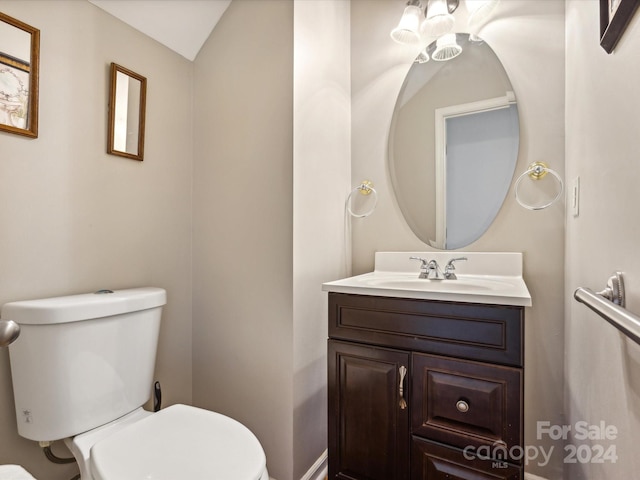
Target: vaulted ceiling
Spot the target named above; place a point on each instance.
(181, 25)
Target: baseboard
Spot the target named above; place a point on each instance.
(531, 476)
(318, 470)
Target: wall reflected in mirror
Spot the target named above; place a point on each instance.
(453, 144)
(127, 103)
(19, 59)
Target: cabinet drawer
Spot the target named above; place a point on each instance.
(490, 333)
(466, 404)
(431, 461)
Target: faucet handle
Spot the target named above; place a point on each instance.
(450, 267)
(450, 263)
(424, 266)
(424, 261)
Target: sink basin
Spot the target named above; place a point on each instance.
(462, 284)
(490, 278)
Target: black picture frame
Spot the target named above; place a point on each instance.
(614, 18)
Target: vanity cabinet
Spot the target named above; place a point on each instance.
(461, 393)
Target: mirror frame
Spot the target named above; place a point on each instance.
(115, 68)
(34, 61)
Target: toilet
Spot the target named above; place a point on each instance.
(82, 368)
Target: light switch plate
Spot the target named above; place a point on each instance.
(574, 199)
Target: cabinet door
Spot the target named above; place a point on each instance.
(368, 418)
(432, 461)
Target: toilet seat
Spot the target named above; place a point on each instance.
(180, 442)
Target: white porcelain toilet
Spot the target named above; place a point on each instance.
(82, 368)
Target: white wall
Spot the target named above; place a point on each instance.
(321, 171)
(602, 367)
(528, 37)
(75, 219)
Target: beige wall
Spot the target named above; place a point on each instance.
(110, 222)
(528, 37)
(602, 367)
(271, 170)
(75, 219)
(243, 224)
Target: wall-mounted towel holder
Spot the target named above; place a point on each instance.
(537, 171)
(609, 304)
(365, 188)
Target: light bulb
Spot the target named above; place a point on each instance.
(439, 21)
(446, 48)
(423, 56)
(407, 31)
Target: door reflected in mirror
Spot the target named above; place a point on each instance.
(19, 58)
(453, 145)
(127, 103)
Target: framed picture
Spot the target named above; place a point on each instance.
(614, 18)
(19, 59)
(127, 105)
(14, 78)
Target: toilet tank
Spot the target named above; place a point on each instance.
(82, 360)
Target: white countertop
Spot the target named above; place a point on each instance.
(485, 277)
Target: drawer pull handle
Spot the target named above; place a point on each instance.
(462, 406)
(403, 372)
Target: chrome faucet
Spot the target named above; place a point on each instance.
(429, 269)
(449, 268)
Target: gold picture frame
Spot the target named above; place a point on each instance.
(19, 76)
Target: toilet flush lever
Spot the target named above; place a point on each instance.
(157, 397)
(9, 332)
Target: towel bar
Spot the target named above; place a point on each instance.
(615, 314)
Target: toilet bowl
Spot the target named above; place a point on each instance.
(14, 472)
(179, 442)
(82, 368)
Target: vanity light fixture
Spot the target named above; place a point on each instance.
(436, 20)
(439, 17)
(423, 56)
(479, 10)
(407, 31)
(446, 48)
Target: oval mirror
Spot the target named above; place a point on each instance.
(127, 103)
(453, 144)
(19, 55)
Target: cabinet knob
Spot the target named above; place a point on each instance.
(462, 406)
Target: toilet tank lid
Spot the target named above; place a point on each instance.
(86, 306)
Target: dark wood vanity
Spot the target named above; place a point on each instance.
(457, 413)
